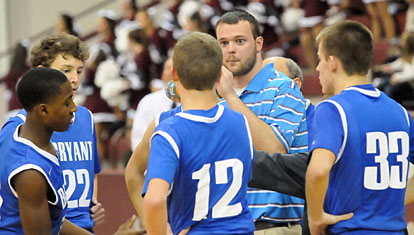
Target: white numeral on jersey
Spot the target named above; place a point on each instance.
(389, 177)
(82, 177)
(221, 208)
(1, 199)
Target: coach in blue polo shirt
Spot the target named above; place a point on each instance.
(274, 107)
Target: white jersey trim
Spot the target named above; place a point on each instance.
(170, 140)
(407, 116)
(32, 167)
(92, 121)
(42, 152)
(375, 93)
(344, 125)
(197, 118)
(21, 116)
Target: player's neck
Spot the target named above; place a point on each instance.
(348, 81)
(202, 100)
(244, 80)
(36, 133)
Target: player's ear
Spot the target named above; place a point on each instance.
(333, 63)
(174, 74)
(41, 109)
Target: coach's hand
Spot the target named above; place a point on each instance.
(319, 226)
(225, 86)
(97, 212)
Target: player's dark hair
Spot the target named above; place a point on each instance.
(237, 15)
(39, 85)
(351, 42)
(197, 58)
(45, 52)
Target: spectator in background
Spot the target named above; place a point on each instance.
(65, 24)
(409, 22)
(399, 74)
(139, 74)
(380, 19)
(129, 8)
(19, 65)
(151, 105)
(104, 49)
(310, 26)
(157, 47)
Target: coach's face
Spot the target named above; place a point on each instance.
(239, 47)
(324, 69)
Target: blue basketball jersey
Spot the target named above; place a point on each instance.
(206, 157)
(372, 138)
(19, 154)
(79, 161)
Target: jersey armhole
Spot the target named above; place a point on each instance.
(20, 169)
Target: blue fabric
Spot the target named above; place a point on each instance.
(79, 161)
(196, 145)
(277, 101)
(360, 125)
(16, 155)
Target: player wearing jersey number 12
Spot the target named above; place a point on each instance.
(204, 178)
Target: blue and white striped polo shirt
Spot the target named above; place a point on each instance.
(276, 100)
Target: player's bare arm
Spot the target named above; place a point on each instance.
(32, 188)
(317, 180)
(134, 172)
(409, 193)
(68, 228)
(155, 207)
(263, 136)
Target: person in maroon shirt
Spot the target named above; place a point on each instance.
(18, 67)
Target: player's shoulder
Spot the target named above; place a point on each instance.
(166, 114)
(83, 111)
(83, 115)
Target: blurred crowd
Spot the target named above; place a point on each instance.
(128, 60)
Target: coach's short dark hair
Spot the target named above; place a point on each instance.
(39, 85)
(237, 15)
(197, 58)
(351, 42)
(45, 52)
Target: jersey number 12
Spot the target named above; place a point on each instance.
(221, 208)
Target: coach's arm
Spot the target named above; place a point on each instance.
(283, 173)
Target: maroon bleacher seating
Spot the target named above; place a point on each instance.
(381, 51)
(113, 195)
(311, 85)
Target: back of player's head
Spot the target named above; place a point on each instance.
(237, 15)
(45, 52)
(39, 85)
(197, 58)
(351, 42)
